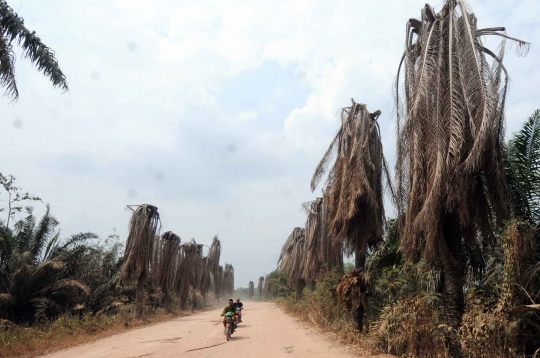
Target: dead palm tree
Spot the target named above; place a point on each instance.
(291, 260)
(450, 131)
(322, 254)
(354, 187)
(214, 254)
(169, 247)
(12, 29)
(189, 270)
(261, 286)
(266, 287)
(251, 289)
(205, 279)
(228, 280)
(143, 228)
(218, 282)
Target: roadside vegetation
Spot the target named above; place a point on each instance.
(55, 288)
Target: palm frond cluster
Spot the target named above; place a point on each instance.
(12, 30)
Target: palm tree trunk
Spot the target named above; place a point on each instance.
(139, 297)
(453, 280)
(360, 264)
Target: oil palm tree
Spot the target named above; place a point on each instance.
(189, 270)
(214, 254)
(251, 289)
(523, 170)
(37, 269)
(12, 30)
(260, 286)
(228, 279)
(205, 279)
(450, 129)
(291, 260)
(144, 226)
(265, 284)
(322, 254)
(354, 189)
(169, 246)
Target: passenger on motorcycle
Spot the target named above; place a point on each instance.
(229, 308)
(239, 305)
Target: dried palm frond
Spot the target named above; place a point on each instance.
(450, 130)
(189, 269)
(12, 29)
(205, 278)
(352, 289)
(266, 285)
(214, 254)
(454, 105)
(169, 248)
(251, 289)
(291, 259)
(143, 228)
(261, 286)
(354, 188)
(228, 280)
(218, 282)
(322, 254)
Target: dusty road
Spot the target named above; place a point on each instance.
(265, 332)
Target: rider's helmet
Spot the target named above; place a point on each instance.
(237, 300)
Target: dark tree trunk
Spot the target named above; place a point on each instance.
(139, 297)
(453, 280)
(359, 264)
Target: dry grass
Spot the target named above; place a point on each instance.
(69, 331)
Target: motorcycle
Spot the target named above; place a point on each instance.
(239, 314)
(230, 324)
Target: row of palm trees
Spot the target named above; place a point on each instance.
(176, 268)
(457, 183)
(43, 275)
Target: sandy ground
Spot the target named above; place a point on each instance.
(265, 332)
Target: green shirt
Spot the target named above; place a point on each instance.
(229, 309)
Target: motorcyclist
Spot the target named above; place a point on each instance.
(239, 305)
(229, 308)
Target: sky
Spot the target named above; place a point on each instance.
(216, 112)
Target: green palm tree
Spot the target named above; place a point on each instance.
(12, 30)
(37, 269)
(523, 170)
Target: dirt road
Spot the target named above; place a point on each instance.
(265, 332)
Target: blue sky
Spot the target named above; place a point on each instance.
(214, 111)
